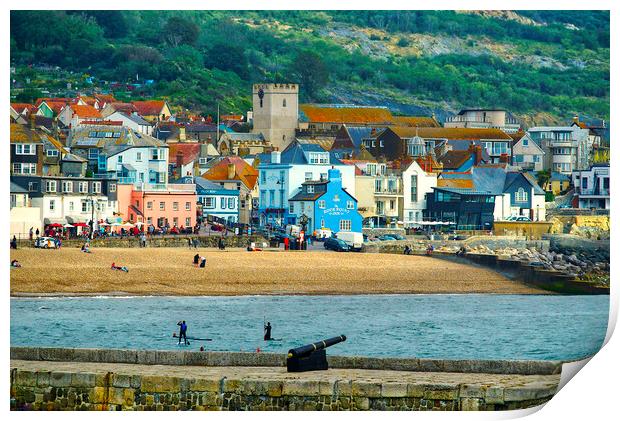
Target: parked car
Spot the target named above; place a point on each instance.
(335, 244)
(386, 237)
(518, 218)
(397, 237)
(46, 243)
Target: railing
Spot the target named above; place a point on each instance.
(592, 192)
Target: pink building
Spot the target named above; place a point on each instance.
(170, 204)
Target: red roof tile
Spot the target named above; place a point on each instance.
(146, 108)
(85, 111)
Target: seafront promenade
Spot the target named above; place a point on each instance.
(169, 271)
(82, 379)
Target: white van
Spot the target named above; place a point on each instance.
(353, 239)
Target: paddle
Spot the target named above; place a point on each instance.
(174, 335)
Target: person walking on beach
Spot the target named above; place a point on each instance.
(37, 232)
(30, 233)
(267, 328)
(14, 243)
(189, 243)
(195, 242)
(182, 331)
(143, 240)
(196, 259)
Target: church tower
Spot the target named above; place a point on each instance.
(275, 112)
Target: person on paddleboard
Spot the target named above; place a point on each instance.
(182, 331)
(267, 336)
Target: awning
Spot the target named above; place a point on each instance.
(136, 210)
(74, 220)
(48, 221)
(128, 167)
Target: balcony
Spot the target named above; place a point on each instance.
(388, 192)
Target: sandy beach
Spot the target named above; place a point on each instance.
(169, 271)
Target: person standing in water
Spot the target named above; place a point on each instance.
(267, 327)
(182, 331)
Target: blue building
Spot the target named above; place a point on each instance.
(326, 204)
(214, 199)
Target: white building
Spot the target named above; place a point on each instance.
(567, 148)
(133, 121)
(416, 184)
(592, 187)
(526, 153)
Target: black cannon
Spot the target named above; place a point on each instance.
(311, 357)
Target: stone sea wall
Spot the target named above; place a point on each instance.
(161, 241)
(38, 384)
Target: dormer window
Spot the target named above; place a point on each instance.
(318, 157)
(310, 189)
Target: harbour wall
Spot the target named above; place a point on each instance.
(127, 385)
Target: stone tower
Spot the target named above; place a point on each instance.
(275, 112)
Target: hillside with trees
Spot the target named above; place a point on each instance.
(543, 66)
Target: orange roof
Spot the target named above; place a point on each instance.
(234, 117)
(61, 100)
(20, 107)
(149, 107)
(413, 121)
(346, 114)
(450, 133)
(88, 100)
(518, 135)
(85, 111)
(105, 98)
(459, 183)
(244, 172)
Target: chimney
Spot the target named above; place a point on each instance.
(204, 150)
(231, 171)
(478, 157)
(182, 136)
(275, 157)
(576, 119)
(32, 121)
(179, 159)
(334, 177)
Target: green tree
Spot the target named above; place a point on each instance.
(227, 57)
(311, 72)
(179, 31)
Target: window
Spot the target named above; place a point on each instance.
(525, 141)
(284, 102)
(414, 188)
(202, 161)
(71, 206)
(120, 159)
(291, 207)
(52, 205)
(378, 185)
(242, 204)
(138, 156)
(175, 206)
(97, 187)
(310, 188)
(208, 202)
(321, 204)
(188, 206)
(392, 204)
(584, 183)
(319, 157)
(52, 152)
(112, 187)
(156, 154)
(67, 186)
(85, 206)
(188, 222)
(322, 223)
(518, 158)
(521, 195)
(83, 187)
(263, 177)
(93, 153)
(162, 205)
(350, 204)
(25, 149)
(272, 195)
(24, 168)
(308, 176)
(137, 203)
(149, 205)
(149, 220)
(536, 158)
(223, 202)
(231, 203)
(50, 186)
(263, 199)
(345, 225)
(33, 186)
(371, 169)
(175, 221)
